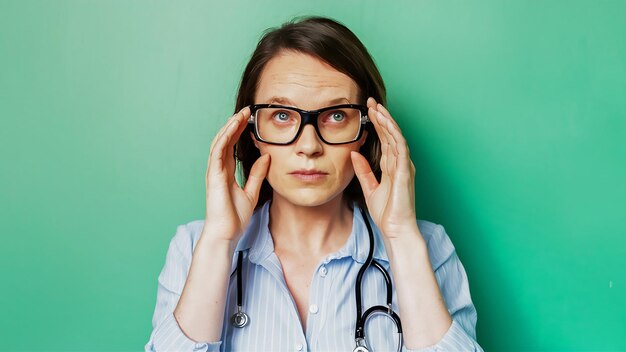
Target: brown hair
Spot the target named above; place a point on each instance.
(334, 43)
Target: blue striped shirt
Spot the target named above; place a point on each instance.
(274, 321)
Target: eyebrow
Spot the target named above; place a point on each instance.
(287, 101)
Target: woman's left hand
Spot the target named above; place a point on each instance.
(391, 202)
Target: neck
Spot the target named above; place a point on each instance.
(315, 230)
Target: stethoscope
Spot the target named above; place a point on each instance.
(240, 319)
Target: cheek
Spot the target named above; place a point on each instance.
(277, 165)
(339, 165)
(344, 169)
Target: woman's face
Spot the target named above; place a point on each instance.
(303, 81)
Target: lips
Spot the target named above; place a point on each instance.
(309, 175)
(308, 172)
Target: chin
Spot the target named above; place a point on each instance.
(308, 197)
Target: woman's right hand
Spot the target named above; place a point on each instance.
(229, 208)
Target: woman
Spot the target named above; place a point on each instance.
(295, 235)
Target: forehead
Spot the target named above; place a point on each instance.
(302, 80)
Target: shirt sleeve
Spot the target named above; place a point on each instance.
(454, 287)
(166, 333)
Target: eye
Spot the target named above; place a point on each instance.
(337, 116)
(281, 116)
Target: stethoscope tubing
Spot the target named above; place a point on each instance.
(361, 319)
(240, 319)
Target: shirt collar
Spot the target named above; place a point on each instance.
(358, 243)
(258, 240)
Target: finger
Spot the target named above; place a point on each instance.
(225, 137)
(392, 153)
(386, 127)
(242, 123)
(218, 135)
(404, 162)
(399, 144)
(388, 145)
(387, 117)
(213, 164)
(221, 131)
(371, 112)
(371, 103)
(364, 173)
(258, 172)
(218, 164)
(215, 139)
(226, 125)
(386, 114)
(395, 131)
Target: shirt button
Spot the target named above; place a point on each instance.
(313, 308)
(299, 347)
(323, 271)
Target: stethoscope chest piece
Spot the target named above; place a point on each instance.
(361, 346)
(239, 319)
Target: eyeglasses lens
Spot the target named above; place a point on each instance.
(280, 125)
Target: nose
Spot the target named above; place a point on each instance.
(308, 143)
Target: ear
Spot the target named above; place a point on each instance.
(363, 139)
(256, 143)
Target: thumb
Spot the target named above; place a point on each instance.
(364, 173)
(257, 175)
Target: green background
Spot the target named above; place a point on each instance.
(515, 113)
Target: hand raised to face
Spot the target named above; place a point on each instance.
(229, 208)
(391, 202)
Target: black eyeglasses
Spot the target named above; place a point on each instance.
(281, 125)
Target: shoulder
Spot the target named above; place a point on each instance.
(188, 234)
(439, 244)
(186, 237)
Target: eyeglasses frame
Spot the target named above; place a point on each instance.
(308, 117)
